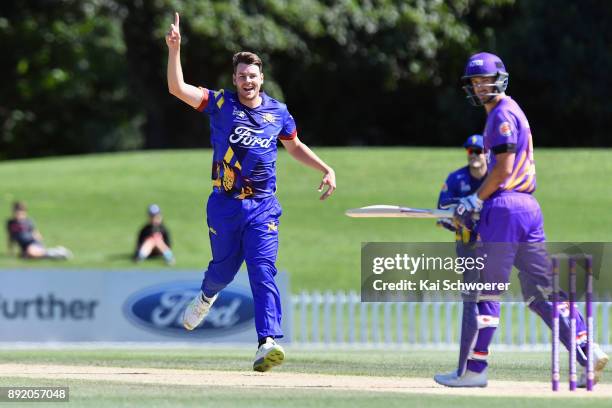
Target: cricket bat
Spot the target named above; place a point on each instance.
(394, 211)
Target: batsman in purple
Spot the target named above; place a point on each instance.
(462, 183)
(509, 222)
(242, 211)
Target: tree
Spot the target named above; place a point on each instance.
(65, 86)
(89, 75)
(559, 61)
(350, 70)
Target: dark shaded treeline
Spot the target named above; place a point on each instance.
(89, 76)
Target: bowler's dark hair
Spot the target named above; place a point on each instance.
(245, 57)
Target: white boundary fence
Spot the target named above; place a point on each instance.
(341, 318)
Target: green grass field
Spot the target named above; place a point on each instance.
(405, 364)
(524, 366)
(95, 204)
(104, 394)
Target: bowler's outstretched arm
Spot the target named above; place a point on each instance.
(189, 94)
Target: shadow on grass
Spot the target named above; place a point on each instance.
(129, 257)
(127, 260)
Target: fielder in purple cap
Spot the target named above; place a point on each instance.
(509, 222)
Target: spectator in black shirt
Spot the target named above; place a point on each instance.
(154, 238)
(21, 231)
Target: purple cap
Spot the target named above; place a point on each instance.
(484, 64)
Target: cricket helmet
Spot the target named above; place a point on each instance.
(484, 64)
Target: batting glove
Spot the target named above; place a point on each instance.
(468, 209)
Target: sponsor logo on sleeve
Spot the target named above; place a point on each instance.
(505, 129)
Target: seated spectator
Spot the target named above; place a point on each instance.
(154, 238)
(21, 231)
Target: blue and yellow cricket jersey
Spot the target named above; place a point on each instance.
(244, 142)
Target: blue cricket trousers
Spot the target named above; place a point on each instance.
(246, 230)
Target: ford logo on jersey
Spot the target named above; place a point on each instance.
(160, 309)
(246, 137)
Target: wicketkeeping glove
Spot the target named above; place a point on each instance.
(447, 223)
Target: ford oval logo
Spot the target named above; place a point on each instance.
(160, 308)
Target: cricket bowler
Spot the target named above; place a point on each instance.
(242, 211)
(510, 223)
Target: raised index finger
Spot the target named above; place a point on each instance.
(176, 20)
